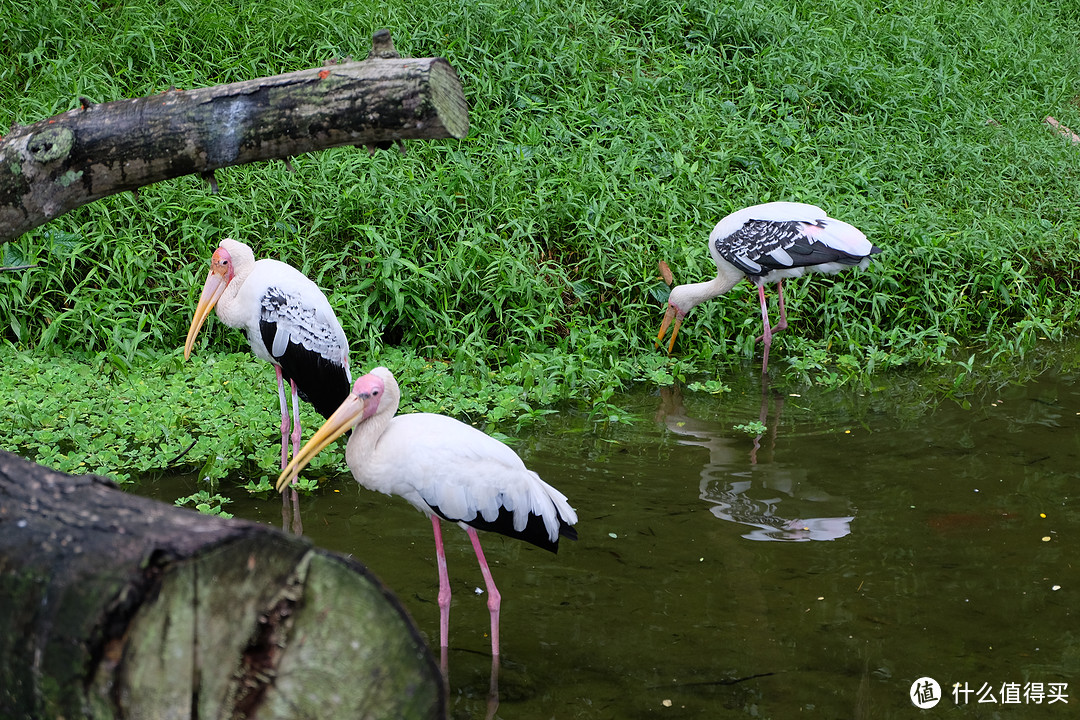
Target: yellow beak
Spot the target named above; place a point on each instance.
(671, 314)
(211, 293)
(347, 415)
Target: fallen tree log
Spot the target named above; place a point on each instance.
(117, 606)
(96, 150)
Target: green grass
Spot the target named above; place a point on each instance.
(604, 137)
(217, 414)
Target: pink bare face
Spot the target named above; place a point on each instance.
(221, 264)
(369, 388)
(221, 272)
(361, 404)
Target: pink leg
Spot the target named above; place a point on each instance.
(444, 585)
(286, 506)
(494, 598)
(766, 337)
(297, 524)
(782, 325)
(493, 689)
(295, 420)
(290, 511)
(284, 418)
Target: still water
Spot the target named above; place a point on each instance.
(866, 539)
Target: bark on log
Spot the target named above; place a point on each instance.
(64, 162)
(116, 606)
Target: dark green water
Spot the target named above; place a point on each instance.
(867, 539)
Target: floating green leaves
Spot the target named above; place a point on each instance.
(206, 502)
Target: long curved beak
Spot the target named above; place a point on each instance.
(671, 314)
(211, 293)
(347, 415)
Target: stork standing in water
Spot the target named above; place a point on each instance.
(289, 323)
(445, 469)
(767, 243)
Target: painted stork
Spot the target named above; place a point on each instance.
(445, 469)
(289, 323)
(767, 243)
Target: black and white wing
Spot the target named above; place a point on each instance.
(776, 240)
(309, 345)
(465, 476)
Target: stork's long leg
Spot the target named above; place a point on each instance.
(493, 689)
(295, 437)
(782, 325)
(444, 585)
(284, 417)
(290, 501)
(766, 336)
(494, 597)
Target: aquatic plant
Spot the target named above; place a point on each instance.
(206, 502)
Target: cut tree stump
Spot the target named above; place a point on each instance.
(96, 150)
(117, 606)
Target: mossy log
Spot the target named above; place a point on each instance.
(96, 150)
(117, 606)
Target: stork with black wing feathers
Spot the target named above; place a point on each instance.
(289, 323)
(765, 244)
(445, 469)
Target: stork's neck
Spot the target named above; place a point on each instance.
(685, 297)
(228, 310)
(365, 436)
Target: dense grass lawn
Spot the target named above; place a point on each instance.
(605, 136)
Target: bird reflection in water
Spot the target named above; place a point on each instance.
(290, 513)
(776, 500)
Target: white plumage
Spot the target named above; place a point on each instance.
(288, 322)
(446, 469)
(443, 466)
(765, 244)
